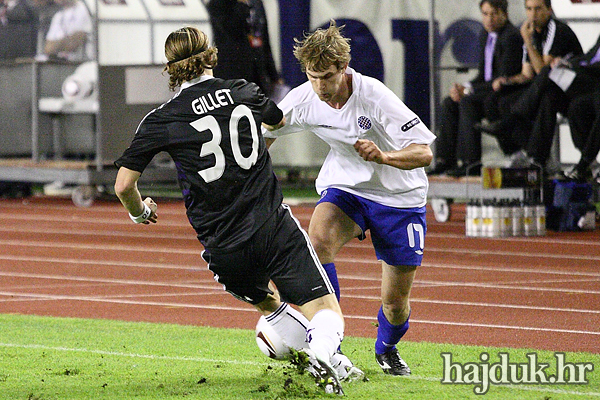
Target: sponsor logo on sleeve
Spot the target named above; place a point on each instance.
(410, 124)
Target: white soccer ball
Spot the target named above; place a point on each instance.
(269, 342)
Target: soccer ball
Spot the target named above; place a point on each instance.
(269, 342)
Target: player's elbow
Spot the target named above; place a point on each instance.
(423, 155)
(126, 182)
(427, 157)
(121, 188)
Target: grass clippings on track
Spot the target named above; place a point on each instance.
(45, 358)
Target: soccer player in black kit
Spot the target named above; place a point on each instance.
(211, 129)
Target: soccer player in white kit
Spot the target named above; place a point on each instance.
(372, 179)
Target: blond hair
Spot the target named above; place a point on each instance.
(323, 48)
(188, 54)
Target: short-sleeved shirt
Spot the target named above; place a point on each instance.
(68, 21)
(211, 129)
(372, 112)
(557, 39)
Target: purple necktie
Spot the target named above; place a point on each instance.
(489, 55)
(594, 59)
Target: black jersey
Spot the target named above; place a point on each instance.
(212, 130)
(556, 39)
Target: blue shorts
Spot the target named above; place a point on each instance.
(398, 234)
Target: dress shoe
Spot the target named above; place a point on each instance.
(579, 174)
(461, 171)
(520, 159)
(492, 128)
(439, 169)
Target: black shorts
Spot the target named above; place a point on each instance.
(279, 251)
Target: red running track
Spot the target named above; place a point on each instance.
(60, 260)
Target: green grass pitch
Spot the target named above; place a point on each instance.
(45, 358)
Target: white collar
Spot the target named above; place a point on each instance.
(194, 81)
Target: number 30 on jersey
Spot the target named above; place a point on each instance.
(214, 145)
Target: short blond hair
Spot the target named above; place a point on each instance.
(188, 54)
(323, 48)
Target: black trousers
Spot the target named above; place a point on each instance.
(529, 111)
(457, 137)
(584, 121)
(515, 129)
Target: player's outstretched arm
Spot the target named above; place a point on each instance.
(141, 212)
(411, 157)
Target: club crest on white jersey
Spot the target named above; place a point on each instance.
(364, 122)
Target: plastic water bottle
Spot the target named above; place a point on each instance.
(495, 217)
(477, 220)
(505, 218)
(540, 219)
(469, 218)
(529, 220)
(486, 219)
(517, 217)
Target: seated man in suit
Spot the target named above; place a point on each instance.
(500, 58)
(526, 111)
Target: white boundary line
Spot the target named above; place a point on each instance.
(191, 285)
(85, 218)
(542, 389)
(490, 305)
(250, 309)
(216, 290)
(5, 216)
(197, 248)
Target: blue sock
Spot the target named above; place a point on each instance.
(332, 275)
(388, 335)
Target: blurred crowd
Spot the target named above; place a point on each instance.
(45, 29)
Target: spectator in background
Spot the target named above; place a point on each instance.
(45, 10)
(523, 115)
(18, 27)
(500, 57)
(241, 35)
(69, 35)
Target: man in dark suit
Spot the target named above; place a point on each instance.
(526, 111)
(501, 56)
(241, 34)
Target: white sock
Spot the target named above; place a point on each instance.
(290, 325)
(325, 333)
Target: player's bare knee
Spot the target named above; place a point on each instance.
(323, 246)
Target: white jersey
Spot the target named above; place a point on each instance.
(372, 112)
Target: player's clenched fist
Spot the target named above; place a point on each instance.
(369, 151)
(153, 207)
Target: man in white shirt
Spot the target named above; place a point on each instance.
(372, 179)
(69, 33)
